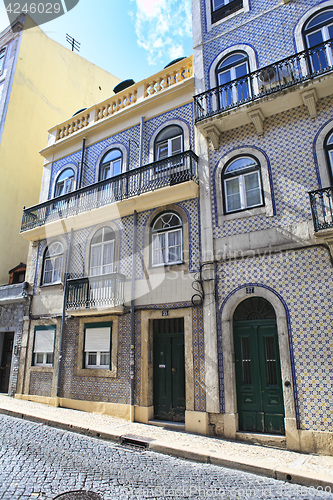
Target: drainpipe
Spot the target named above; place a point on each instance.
(79, 180)
(141, 141)
(68, 255)
(132, 344)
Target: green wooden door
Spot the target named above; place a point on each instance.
(169, 369)
(6, 360)
(258, 376)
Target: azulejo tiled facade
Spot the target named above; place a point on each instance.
(273, 251)
(115, 250)
(167, 285)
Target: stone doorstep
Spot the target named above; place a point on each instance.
(175, 426)
(272, 440)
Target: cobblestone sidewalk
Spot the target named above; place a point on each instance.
(305, 469)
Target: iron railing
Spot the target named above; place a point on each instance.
(95, 291)
(321, 202)
(265, 81)
(174, 170)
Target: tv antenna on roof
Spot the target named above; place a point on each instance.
(74, 43)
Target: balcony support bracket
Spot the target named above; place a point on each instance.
(309, 99)
(214, 134)
(257, 118)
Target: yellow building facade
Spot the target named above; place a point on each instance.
(41, 83)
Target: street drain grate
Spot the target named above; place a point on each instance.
(134, 442)
(79, 495)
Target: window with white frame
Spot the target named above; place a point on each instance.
(2, 59)
(97, 345)
(53, 263)
(242, 187)
(319, 29)
(110, 165)
(223, 8)
(65, 182)
(167, 239)
(102, 252)
(329, 154)
(169, 142)
(43, 351)
(235, 66)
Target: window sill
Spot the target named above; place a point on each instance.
(50, 285)
(42, 368)
(96, 372)
(244, 214)
(154, 266)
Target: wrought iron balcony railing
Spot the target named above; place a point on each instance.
(173, 170)
(95, 292)
(265, 81)
(321, 202)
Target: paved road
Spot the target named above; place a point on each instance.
(40, 462)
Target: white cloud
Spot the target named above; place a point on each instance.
(161, 27)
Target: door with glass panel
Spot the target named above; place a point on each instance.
(232, 80)
(167, 240)
(101, 280)
(317, 31)
(110, 167)
(257, 363)
(168, 147)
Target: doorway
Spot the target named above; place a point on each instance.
(257, 364)
(6, 351)
(169, 369)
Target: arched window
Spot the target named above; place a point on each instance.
(65, 182)
(241, 182)
(167, 239)
(169, 142)
(110, 165)
(233, 67)
(53, 263)
(319, 29)
(329, 153)
(102, 252)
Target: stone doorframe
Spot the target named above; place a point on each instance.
(145, 411)
(230, 396)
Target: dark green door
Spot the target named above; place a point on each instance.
(6, 360)
(258, 376)
(169, 369)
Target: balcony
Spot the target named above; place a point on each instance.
(95, 294)
(172, 79)
(288, 82)
(13, 293)
(321, 202)
(165, 181)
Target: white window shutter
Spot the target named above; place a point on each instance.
(97, 339)
(44, 341)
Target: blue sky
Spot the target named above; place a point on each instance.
(130, 38)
